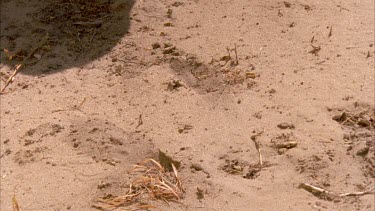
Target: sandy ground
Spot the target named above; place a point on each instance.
(110, 83)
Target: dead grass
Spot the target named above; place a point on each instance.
(151, 182)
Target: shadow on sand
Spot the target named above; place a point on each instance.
(72, 32)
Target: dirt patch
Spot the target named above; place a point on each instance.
(246, 170)
(358, 122)
(104, 142)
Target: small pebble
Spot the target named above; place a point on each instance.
(155, 45)
(196, 167)
(363, 152)
(285, 125)
(364, 123)
(169, 50)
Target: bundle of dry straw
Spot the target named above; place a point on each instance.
(152, 182)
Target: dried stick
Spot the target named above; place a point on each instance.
(88, 23)
(260, 154)
(312, 39)
(92, 37)
(313, 189)
(140, 121)
(16, 207)
(39, 45)
(257, 146)
(316, 190)
(178, 180)
(229, 54)
(235, 51)
(330, 32)
(18, 67)
(357, 193)
(11, 78)
(83, 101)
(75, 107)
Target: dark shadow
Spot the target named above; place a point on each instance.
(60, 33)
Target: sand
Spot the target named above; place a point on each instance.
(203, 81)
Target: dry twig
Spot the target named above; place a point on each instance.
(313, 189)
(79, 106)
(11, 78)
(257, 146)
(18, 67)
(235, 51)
(315, 50)
(317, 191)
(75, 107)
(140, 121)
(357, 193)
(16, 207)
(330, 32)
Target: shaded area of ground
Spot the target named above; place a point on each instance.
(76, 32)
(202, 81)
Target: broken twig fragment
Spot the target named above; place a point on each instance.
(140, 121)
(235, 51)
(287, 145)
(313, 189)
(11, 78)
(357, 193)
(317, 191)
(79, 106)
(257, 146)
(18, 67)
(330, 32)
(15, 205)
(315, 50)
